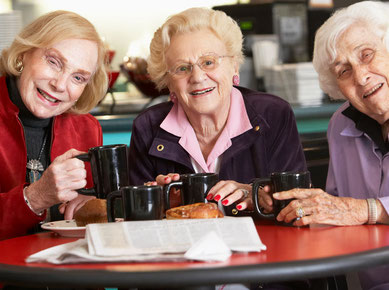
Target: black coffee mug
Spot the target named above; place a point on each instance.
(280, 181)
(109, 169)
(194, 187)
(139, 203)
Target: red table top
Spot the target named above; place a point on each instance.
(283, 244)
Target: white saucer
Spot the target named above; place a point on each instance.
(65, 228)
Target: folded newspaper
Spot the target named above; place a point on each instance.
(158, 240)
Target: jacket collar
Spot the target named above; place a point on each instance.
(166, 145)
(363, 124)
(177, 123)
(8, 106)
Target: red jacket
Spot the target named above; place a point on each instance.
(69, 131)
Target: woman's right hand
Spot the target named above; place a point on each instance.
(58, 182)
(265, 199)
(175, 198)
(164, 179)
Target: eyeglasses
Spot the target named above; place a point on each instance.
(207, 63)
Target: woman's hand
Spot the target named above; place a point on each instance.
(70, 208)
(162, 180)
(265, 200)
(59, 182)
(320, 207)
(229, 191)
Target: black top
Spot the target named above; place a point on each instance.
(369, 126)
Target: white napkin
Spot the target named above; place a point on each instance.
(77, 252)
(72, 252)
(209, 248)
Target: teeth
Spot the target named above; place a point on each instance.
(372, 90)
(202, 92)
(47, 97)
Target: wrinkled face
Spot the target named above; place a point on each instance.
(54, 78)
(362, 70)
(202, 90)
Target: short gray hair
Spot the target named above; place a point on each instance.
(372, 13)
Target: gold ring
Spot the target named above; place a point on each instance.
(300, 212)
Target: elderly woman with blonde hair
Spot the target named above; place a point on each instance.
(211, 124)
(351, 56)
(50, 77)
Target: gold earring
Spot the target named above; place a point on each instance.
(19, 66)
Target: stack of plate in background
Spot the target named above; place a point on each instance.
(10, 25)
(297, 83)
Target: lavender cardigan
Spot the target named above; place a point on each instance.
(358, 169)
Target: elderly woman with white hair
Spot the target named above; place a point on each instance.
(211, 124)
(352, 59)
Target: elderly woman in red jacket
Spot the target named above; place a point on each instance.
(50, 77)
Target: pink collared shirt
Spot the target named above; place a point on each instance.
(178, 124)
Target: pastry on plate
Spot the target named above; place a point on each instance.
(199, 210)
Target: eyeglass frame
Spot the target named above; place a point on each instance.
(189, 72)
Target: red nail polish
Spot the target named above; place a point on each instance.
(239, 207)
(166, 178)
(217, 197)
(225, 202)
(209, 196)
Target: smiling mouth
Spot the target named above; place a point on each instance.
(372, 91)
(47, 97)
(197, 93)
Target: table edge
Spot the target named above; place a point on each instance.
(266, 272)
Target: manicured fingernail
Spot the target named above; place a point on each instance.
(166, 178)
(209, 196)
(217, 197)
(239, 207)
(225, 202)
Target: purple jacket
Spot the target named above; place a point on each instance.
(358, 169)
(272, 145)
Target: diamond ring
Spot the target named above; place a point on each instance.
(300, 212)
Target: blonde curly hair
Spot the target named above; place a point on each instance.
(193, 19)
(52, 28)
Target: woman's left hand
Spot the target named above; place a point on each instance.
(320, 207)
(69, 208)
(229, 191)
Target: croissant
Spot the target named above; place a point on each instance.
(195, 211)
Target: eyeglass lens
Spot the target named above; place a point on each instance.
(206, 63)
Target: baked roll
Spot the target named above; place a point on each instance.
(93, 211)
(195, 211)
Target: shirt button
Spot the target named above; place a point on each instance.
(256, 128)
(160, 147)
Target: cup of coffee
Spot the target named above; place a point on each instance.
(194, 187)
(138, 202)
(280, 181)
(109, 169)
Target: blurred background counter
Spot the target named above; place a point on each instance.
(116, 117)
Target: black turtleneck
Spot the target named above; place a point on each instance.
(35, 129)
(369, 126)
